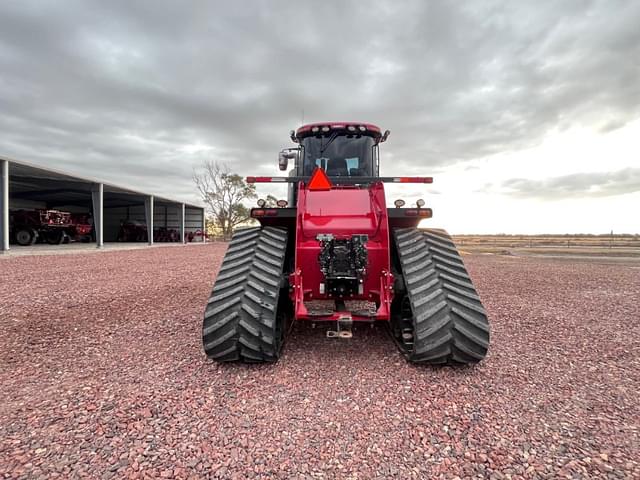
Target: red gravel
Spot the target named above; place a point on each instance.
(102, 375)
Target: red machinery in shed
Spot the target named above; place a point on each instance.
(51, 226)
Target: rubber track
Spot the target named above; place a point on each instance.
(240, 317)
(450, 325)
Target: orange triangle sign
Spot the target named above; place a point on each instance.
(319, 180)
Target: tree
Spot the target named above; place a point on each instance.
(271, 201)
(223, 193)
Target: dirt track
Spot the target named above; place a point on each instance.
(102, 375)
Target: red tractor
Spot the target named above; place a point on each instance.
(335, 253)
(51, 226)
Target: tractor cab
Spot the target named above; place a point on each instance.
(348, 150)
(340, 149)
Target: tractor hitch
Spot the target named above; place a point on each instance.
(343, 326)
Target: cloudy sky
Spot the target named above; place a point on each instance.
(526, 113)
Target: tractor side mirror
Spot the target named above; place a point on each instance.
(284, 156)
(385, 136)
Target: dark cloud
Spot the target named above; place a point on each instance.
(118, 89)
(579, 185)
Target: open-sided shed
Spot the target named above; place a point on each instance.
(24, 186)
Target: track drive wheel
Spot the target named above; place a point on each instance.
(437, 317)
(248, 310)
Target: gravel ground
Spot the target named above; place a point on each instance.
(102, 375)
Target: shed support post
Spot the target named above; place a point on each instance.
(97, 198)
(204, 227)
(181, 222)
(4, 206)
(148, 212)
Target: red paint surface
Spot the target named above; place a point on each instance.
(342, 211)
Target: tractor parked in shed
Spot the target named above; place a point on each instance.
(49, 226)
(335, 241)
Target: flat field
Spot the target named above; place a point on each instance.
(619, 246)
(102, 375)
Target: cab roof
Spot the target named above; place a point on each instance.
(323, 127)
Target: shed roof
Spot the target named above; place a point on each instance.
(43, 183)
